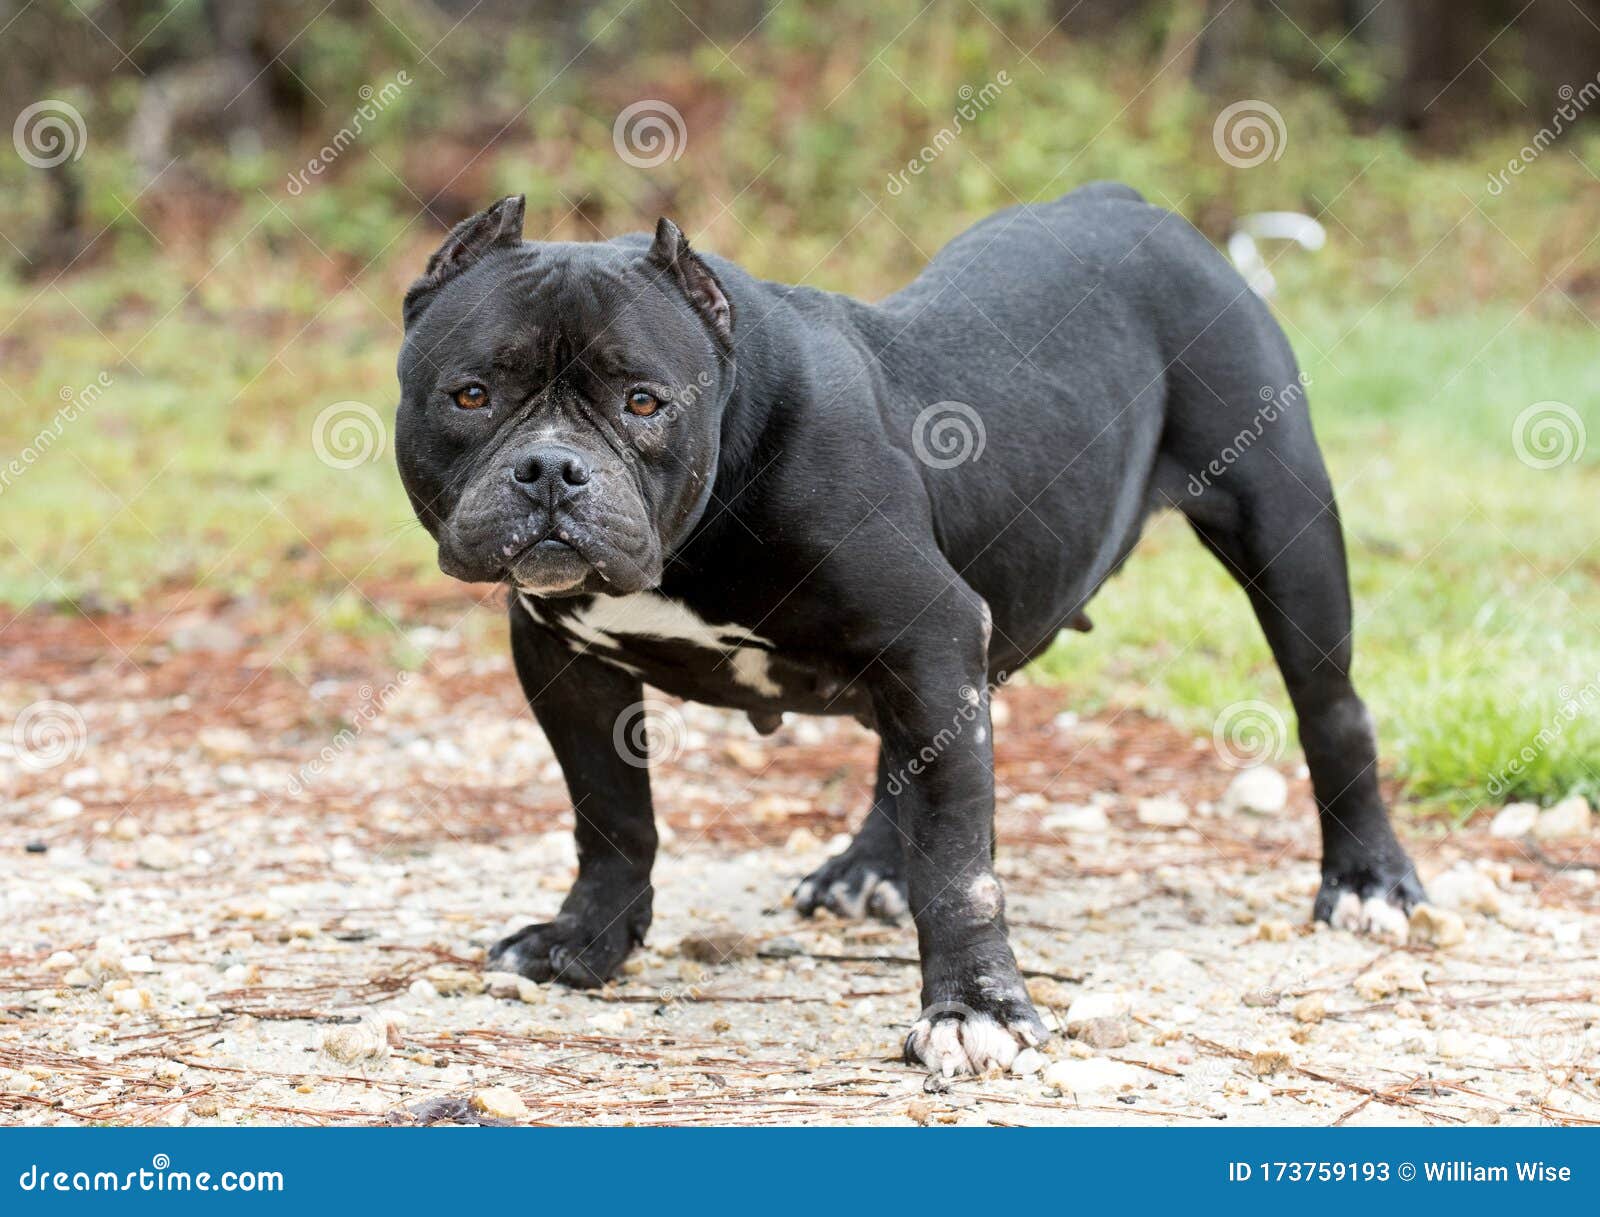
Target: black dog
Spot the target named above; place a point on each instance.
(754, 495)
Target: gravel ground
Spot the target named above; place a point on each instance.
(220, 909)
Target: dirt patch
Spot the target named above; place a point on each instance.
(257, 886)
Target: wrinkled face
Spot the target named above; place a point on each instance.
(559, 417)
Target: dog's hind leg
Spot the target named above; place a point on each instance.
(868, 878)
(1269, 515)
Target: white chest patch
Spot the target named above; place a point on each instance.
(609, 621)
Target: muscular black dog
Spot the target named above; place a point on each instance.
(775, 498)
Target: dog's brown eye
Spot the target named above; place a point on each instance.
(643, 404)
(473, 397)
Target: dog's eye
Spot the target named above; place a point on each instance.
(642, 403)
(472, 397)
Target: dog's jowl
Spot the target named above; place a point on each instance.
(778, 499)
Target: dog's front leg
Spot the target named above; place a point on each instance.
(585, 707)
(931, 698)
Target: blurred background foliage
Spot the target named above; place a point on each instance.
(227, 294)
(797, 112)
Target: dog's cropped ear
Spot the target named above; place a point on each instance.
(672, 254)
(468, 241)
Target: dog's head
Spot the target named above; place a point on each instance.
(561, 404)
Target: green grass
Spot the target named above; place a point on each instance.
(196, 464)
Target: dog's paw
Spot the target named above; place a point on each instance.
(952, 1039)
(854, 886)
(1374, 900)
(564, 950)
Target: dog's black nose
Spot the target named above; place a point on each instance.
(550, 470)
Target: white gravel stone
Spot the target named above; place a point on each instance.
(1466, 889)
(157, 853)
(1085, 818)
(501, 1103)
(449, 981)
(503, 984)
(1094, 1076)
(1087, 1007)
(1514, 820)
(1570, 818)
(1162, 812)
(130, 1001)
(1028, 1061)
(1311, 1008)
(1172, 966)
(1259, 790)
(1564, 933)
(17, 1083)
(1100, 1019)
(1436, 927)
(361, 1043)
(1453, 1044)
(1397, 974)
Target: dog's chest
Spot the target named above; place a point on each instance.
(667, 643)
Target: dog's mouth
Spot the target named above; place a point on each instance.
(552, 565)
(546, 545)
(566, 556)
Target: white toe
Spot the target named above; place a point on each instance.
(852, 904)
(975, 1044)
(886, 900)
(1374, 915)
(1347, 913)
(1385, 920)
